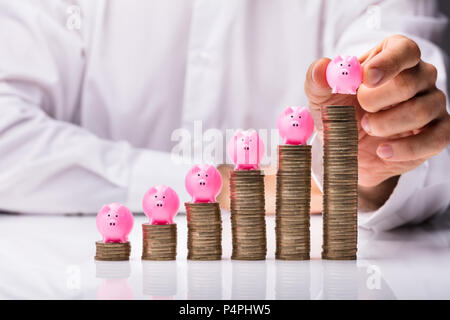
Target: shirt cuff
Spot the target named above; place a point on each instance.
(151, 168)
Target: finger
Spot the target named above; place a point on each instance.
(426, 144)
(396, 54)
(406, 116)
(401, 88)
(316, 86)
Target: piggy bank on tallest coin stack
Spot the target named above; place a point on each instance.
(114, 222)
(161, 204)
(203, 183)
(246, 150)
(344, 74)
(295, 125)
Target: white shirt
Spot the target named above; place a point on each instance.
(92, 91)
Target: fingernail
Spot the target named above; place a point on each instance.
(385, 151)
(374, 76)
(365, 123)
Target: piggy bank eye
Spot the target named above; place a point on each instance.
(198, 174)
(109, 215)
(117, 215)
(349, 65)
(242, 139)
(341, 64)
(156, 196)
(250, 140)
(207, 175)
(299, 117)
(164, 197)
(292, 116)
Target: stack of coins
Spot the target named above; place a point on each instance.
(248, 215)
(112, 251)
(293, 202)
(340, 183)
(204, 231)
(159, 241)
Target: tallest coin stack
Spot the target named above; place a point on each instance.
(340, 183)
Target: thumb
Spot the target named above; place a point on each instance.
(316, 86)
(317, 89)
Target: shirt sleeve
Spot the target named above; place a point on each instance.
(53, 166)
(424, 191)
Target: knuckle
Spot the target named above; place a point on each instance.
(441, 99)
(405, 85)
(423, 112)
(432, 73)
(413, 48)
(410, 45)
(400, 37)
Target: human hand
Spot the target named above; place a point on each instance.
(402, 116)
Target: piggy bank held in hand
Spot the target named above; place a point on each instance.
(114, 222)
(295, 125)
(203, 183)
(246, 150)
(344, 74)
(161, 204)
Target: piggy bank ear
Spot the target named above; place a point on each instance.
(253, 134)
(304, 111)
(104, 209)
(152, 190)
(239, 134)
(124, 210)
(288, 111)
(353, 60)
(338, 59)
(195, 169)
(210, 170)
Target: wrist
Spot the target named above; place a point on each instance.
(372, 198)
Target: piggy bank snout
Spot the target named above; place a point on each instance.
(246, 147)
(295, 124)
(344, 72)
(112, 222)
(159, 203)
(202, 182)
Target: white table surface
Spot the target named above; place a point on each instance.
(52, 257)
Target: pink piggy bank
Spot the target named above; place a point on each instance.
(246, 150)
(295, 125)
(114, 222)
(161, 204)
(203, 183)
(344, 74)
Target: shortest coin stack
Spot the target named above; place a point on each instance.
(112, 251)
(159, 241)
(204, 231)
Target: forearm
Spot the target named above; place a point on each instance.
(50, 166)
